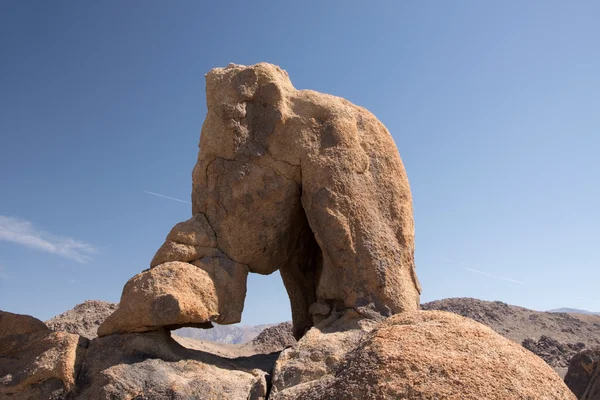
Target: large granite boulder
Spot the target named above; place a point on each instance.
(422, 355)
(177, 294)
(296, 181)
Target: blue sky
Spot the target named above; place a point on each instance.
(494, 108)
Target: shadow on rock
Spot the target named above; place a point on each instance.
(152, 365)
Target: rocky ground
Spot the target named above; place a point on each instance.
(344, 356)
(555, 337)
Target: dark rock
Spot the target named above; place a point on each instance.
(555, 353)
(581, 370)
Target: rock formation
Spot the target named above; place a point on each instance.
(420, 355)
(176, 294)
(154, 366)
(274, 337)
(290, 180)
(38, 363)
(554, 337)
(593, 390)
(18, 324)
(581, 372)
(35, 362)
(313, 186)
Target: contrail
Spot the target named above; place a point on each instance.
(496, 276)
(167, 197)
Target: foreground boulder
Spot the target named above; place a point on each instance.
(426, 355)
(36, 363)
(294, 180)
(581, 371)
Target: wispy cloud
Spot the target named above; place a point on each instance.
(22, 232)
(167, 197)
(503, 278)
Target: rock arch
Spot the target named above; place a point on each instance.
(290, 180)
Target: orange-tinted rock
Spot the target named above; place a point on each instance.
(177, 294)
(39, 364)
(17, 324)
(432, 355)
(304, 183)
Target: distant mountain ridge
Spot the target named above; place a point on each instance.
(573, 311)
(228, 334)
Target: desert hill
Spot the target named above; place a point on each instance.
(518, 323)
(84, 319)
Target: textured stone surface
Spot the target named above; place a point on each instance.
(320, 353)
(153, 366)
(188, 241)
(593, 390)
(303, 182)
(581, 370)
(327, 190)
(177, 294)
(39, 365)
(433, 355)
(16, 324)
